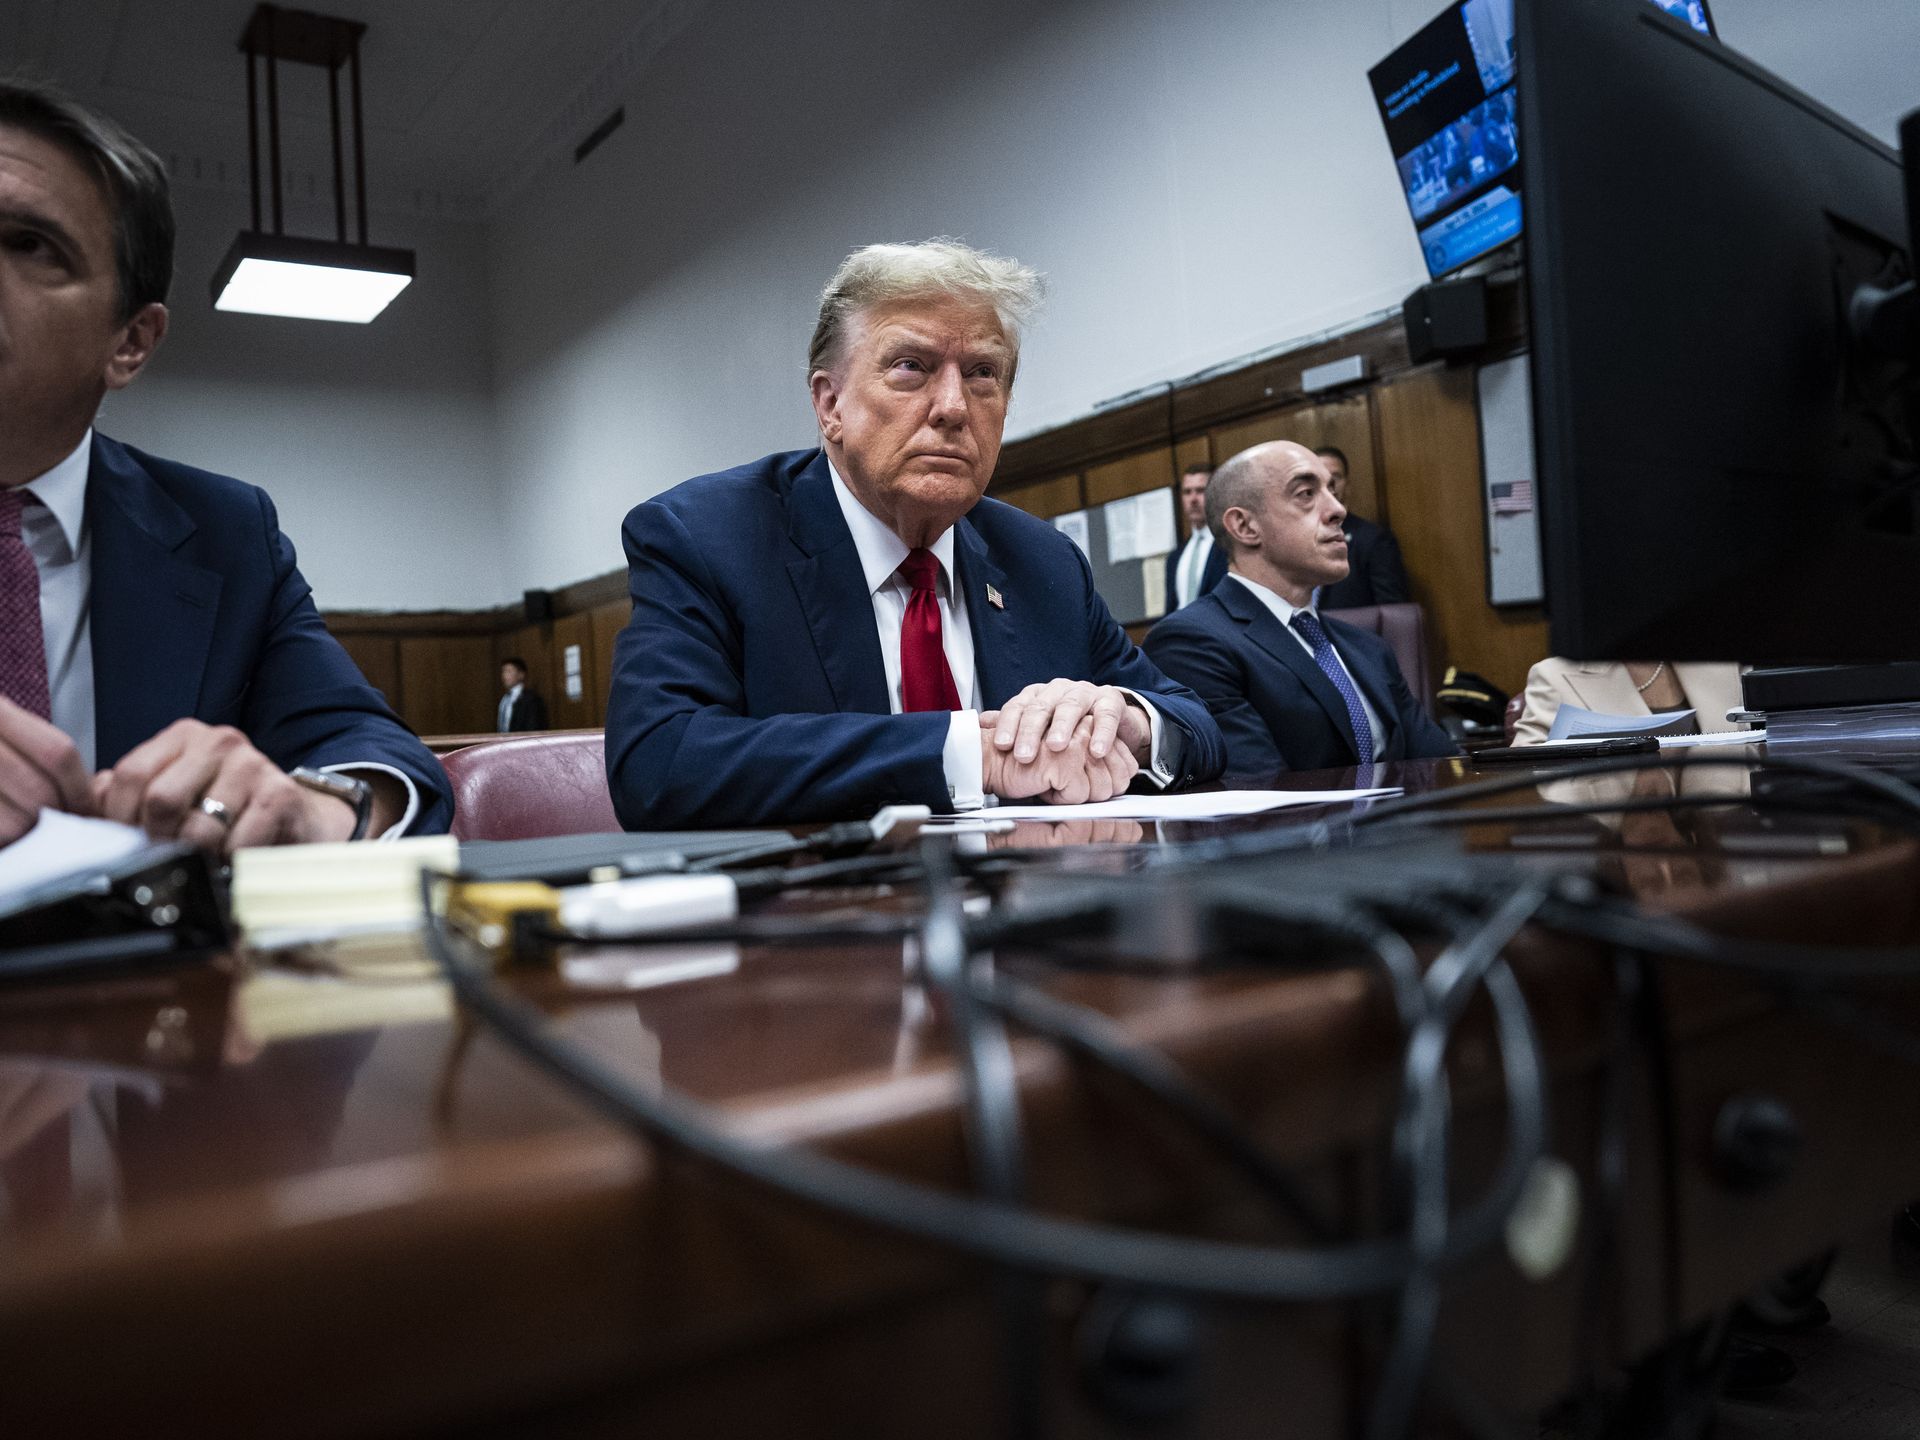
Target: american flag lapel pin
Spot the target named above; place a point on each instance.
(994, 599)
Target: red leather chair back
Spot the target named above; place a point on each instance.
(1404, 628)
(527, 786)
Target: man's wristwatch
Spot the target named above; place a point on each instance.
(350, 788)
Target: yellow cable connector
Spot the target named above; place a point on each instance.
(500, 916)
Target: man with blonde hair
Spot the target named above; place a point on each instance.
(820, 633)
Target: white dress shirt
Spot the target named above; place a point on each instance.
(881, 552)
(507, 702)
(1193, 564)
(56, 535)
(1284, 612)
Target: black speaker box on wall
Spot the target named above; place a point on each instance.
(539, 606)
(1446, 320)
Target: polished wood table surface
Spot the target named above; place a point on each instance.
(401, 1228)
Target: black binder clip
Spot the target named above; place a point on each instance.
(158, 904)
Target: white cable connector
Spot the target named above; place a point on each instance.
(647, 904)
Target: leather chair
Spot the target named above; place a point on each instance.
(526, 786)
(1404, 628)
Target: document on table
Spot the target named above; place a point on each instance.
(1573, 722)
(60, 845)
(1201, 805)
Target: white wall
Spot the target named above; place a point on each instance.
(375, 441)
(1197, 181)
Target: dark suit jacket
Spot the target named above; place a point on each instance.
(528, 712)
(198, 611)
(749, 689)
(1376, 575)
(1276, 708)
(1210, 573)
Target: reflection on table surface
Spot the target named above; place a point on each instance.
(129, 1104)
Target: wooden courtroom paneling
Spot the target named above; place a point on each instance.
(1117, 479)
(451, 683)
(1047, 498)
(1430, 451)
(565, 714)
(607, 622)
(378, 657)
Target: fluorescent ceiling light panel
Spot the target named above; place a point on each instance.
(309, 292)
(310, 279)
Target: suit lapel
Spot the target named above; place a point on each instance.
(831, 590)
(153, 611)
(1271, 636)
(998, 654)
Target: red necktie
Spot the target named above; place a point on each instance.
(23, 651)
(925, 681)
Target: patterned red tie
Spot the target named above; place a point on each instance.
(925, 681)
(23, 651)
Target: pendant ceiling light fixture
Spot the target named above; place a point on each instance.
(280, 274)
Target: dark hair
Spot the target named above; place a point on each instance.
(1195, 467)
(132, 175)
(515, 661)
(1333, 452)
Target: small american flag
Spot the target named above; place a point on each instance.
(1513, 497)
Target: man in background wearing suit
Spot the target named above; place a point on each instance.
(520, 708)
(161, 659)
(1376, 575)
(820, 633)
(1198, 565)
(1292, 690)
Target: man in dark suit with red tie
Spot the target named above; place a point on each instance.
(1291, 689)
(820, 633)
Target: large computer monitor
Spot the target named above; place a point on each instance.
(1724, 472)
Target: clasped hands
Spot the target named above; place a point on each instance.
(1064, 742)
(159, 785)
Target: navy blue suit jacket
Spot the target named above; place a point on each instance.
(1211, 573)
(1376, 575)
(199, 611)
(1276, 708)
(749, 689)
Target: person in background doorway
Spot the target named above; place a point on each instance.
(1376, 575)
(520, 707)
(1196, 567)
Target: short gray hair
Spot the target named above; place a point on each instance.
(939, 268)
(1237, 483)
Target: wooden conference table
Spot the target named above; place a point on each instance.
(386, 1230)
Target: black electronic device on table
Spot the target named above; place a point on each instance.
(1726, 364)
(1574, 750)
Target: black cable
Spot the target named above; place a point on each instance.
(1455, 976)
(1902, 795)
(991, 1117)
(1038, 1243)
(1091, 1035)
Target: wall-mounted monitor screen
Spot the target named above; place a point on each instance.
(1694, 12)
(1447, 99)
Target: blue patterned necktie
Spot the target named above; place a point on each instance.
(1308, 624)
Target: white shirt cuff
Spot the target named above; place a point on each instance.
(399, 827)
(1155, 770)
(960, 758)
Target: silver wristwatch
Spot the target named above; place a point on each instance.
(350, 788)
